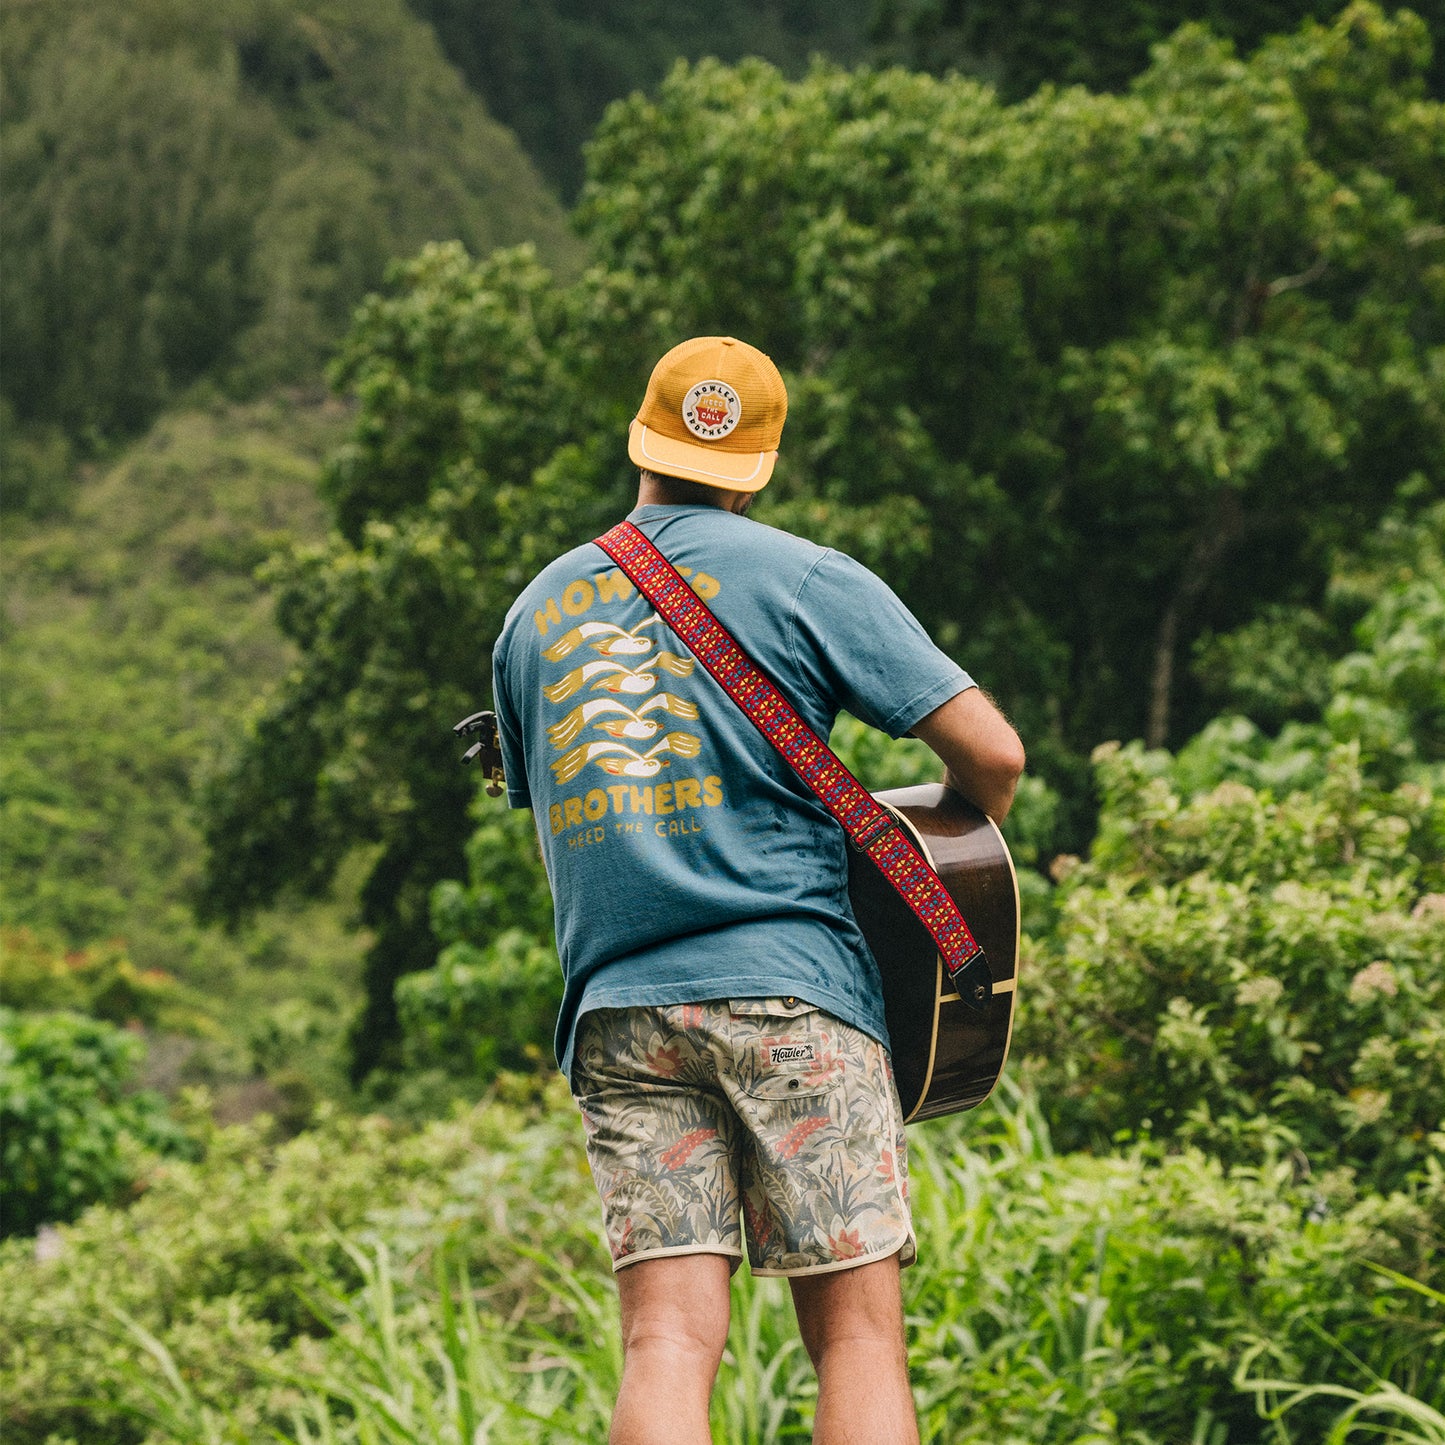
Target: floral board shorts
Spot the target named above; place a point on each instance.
(767, 1107)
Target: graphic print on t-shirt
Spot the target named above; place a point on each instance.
(618, 720)
(618, 676)
(624, 739)
(618, 717)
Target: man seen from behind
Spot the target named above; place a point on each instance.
(722, 1022)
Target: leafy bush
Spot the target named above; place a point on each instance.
(213, 1257)
(491, 1000)
(482, 1010)
(1257, 943)
(69, 1134)
(1230, 965)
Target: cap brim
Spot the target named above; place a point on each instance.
(735, 471)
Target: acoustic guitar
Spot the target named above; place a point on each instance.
(947, 1055)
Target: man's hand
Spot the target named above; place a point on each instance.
(982, 756)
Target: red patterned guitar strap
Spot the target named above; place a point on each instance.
(869, 825)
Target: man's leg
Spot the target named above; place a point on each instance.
(851, 1321)
(674, 1328)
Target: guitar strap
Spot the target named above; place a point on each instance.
(869, 825)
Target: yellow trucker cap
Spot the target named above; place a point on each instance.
(713, 413)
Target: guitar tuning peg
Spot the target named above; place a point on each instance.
(471, 752)
(471, 724)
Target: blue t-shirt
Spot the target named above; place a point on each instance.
(686, 858)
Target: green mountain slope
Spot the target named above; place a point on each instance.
(208, 191)
(550, 68)
(134, 636)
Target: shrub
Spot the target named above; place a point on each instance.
(69, 1134)
(1231, 964)
(214, 1256)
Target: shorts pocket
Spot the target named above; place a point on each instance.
(783, 1048)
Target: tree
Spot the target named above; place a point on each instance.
(486, 433)
(1084, 378)
(1140, 359)
(1020, 47)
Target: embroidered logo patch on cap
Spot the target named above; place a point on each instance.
(711, 410)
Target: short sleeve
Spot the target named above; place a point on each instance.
(850, 627)
(514, 764)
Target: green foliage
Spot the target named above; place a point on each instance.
(460, 481)
(1019, 47)
(1231, 966)
(1085, 378)
(36, 463)
(479, 1010)
(490, 1002)
(1365, 668)
(215, 1259)
(134, 635)
(100, 982)
(1124, 356)
(69, 1133)
(208, 193)
(464, 1294)
(1257, 944)
(134, 632)
(548, 71)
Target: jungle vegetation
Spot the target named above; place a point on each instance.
(1135, 390)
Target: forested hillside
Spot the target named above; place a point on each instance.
(136, 636)
(1090, 379)
(1134, 390)
(550, 68)
(1019, 45)
(207, 192)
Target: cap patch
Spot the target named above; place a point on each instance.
(711, 410)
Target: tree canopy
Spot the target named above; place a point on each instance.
(1087, 378)
(1022, 44)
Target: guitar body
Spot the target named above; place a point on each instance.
(946, 1055)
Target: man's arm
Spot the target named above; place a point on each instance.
(982, 755)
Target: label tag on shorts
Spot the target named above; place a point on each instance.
(790, 1054)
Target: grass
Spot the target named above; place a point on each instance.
(1059, 1300)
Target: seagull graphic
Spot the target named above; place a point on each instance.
(624, 762)
(604, 637)
(619, 720)
(617, 677)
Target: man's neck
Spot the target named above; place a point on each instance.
(658, 491)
